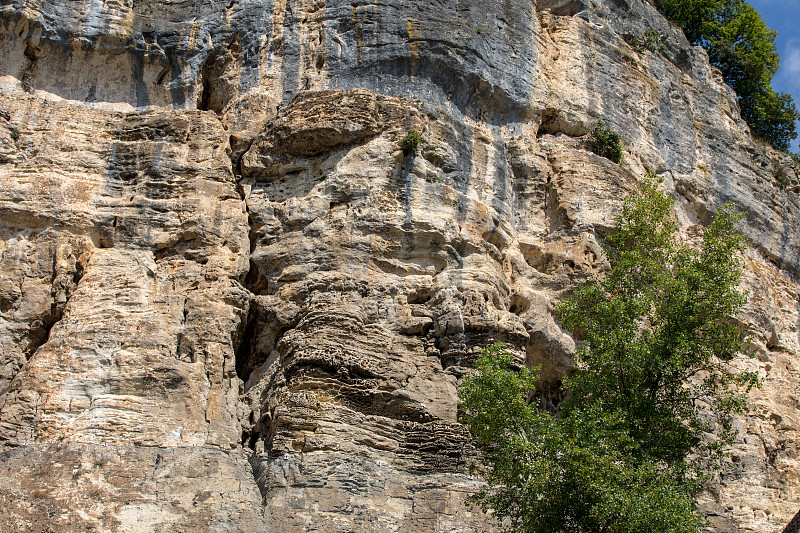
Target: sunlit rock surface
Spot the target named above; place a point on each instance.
(229, 301)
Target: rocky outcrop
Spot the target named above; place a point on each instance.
(230, 301)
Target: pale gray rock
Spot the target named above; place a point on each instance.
(127, 488)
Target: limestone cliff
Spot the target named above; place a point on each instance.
(230, 302)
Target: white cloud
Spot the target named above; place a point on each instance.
(788, 78)
(789, 74)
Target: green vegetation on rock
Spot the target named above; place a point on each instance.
(410, 142)
(742, 46)
(649, 40)
(630, 447)
(605, 142)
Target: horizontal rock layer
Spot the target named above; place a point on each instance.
(229, 300)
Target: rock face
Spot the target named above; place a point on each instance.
(229, 301)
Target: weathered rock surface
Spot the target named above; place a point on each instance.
(230, 302)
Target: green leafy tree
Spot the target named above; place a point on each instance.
(630, 447)
(692, 16)
(742, 46)
(771, 117)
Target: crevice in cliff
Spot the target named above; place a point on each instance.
(246, 348)
(216, 79)
(562, 8)
(239, 147)
(63, 286)
(555, 215)
(259, 331)
(32, 55)
(259, 469)
(256, 356)
(251, 435)
(554, 122)
(209, 99)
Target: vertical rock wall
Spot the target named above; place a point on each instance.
(230, 302)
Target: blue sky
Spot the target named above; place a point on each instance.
(784, 16)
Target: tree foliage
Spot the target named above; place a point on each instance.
(742, 46)
(631, 444)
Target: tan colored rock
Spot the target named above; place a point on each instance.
(230, 302)
(65, 488)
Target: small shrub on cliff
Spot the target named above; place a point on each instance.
(410, 142)
(622, 455)
(605, 142)
(649, 40)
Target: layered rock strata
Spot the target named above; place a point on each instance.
(229, 301)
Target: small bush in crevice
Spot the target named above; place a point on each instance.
(605, 141)
(410, 142)
(649, 40)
